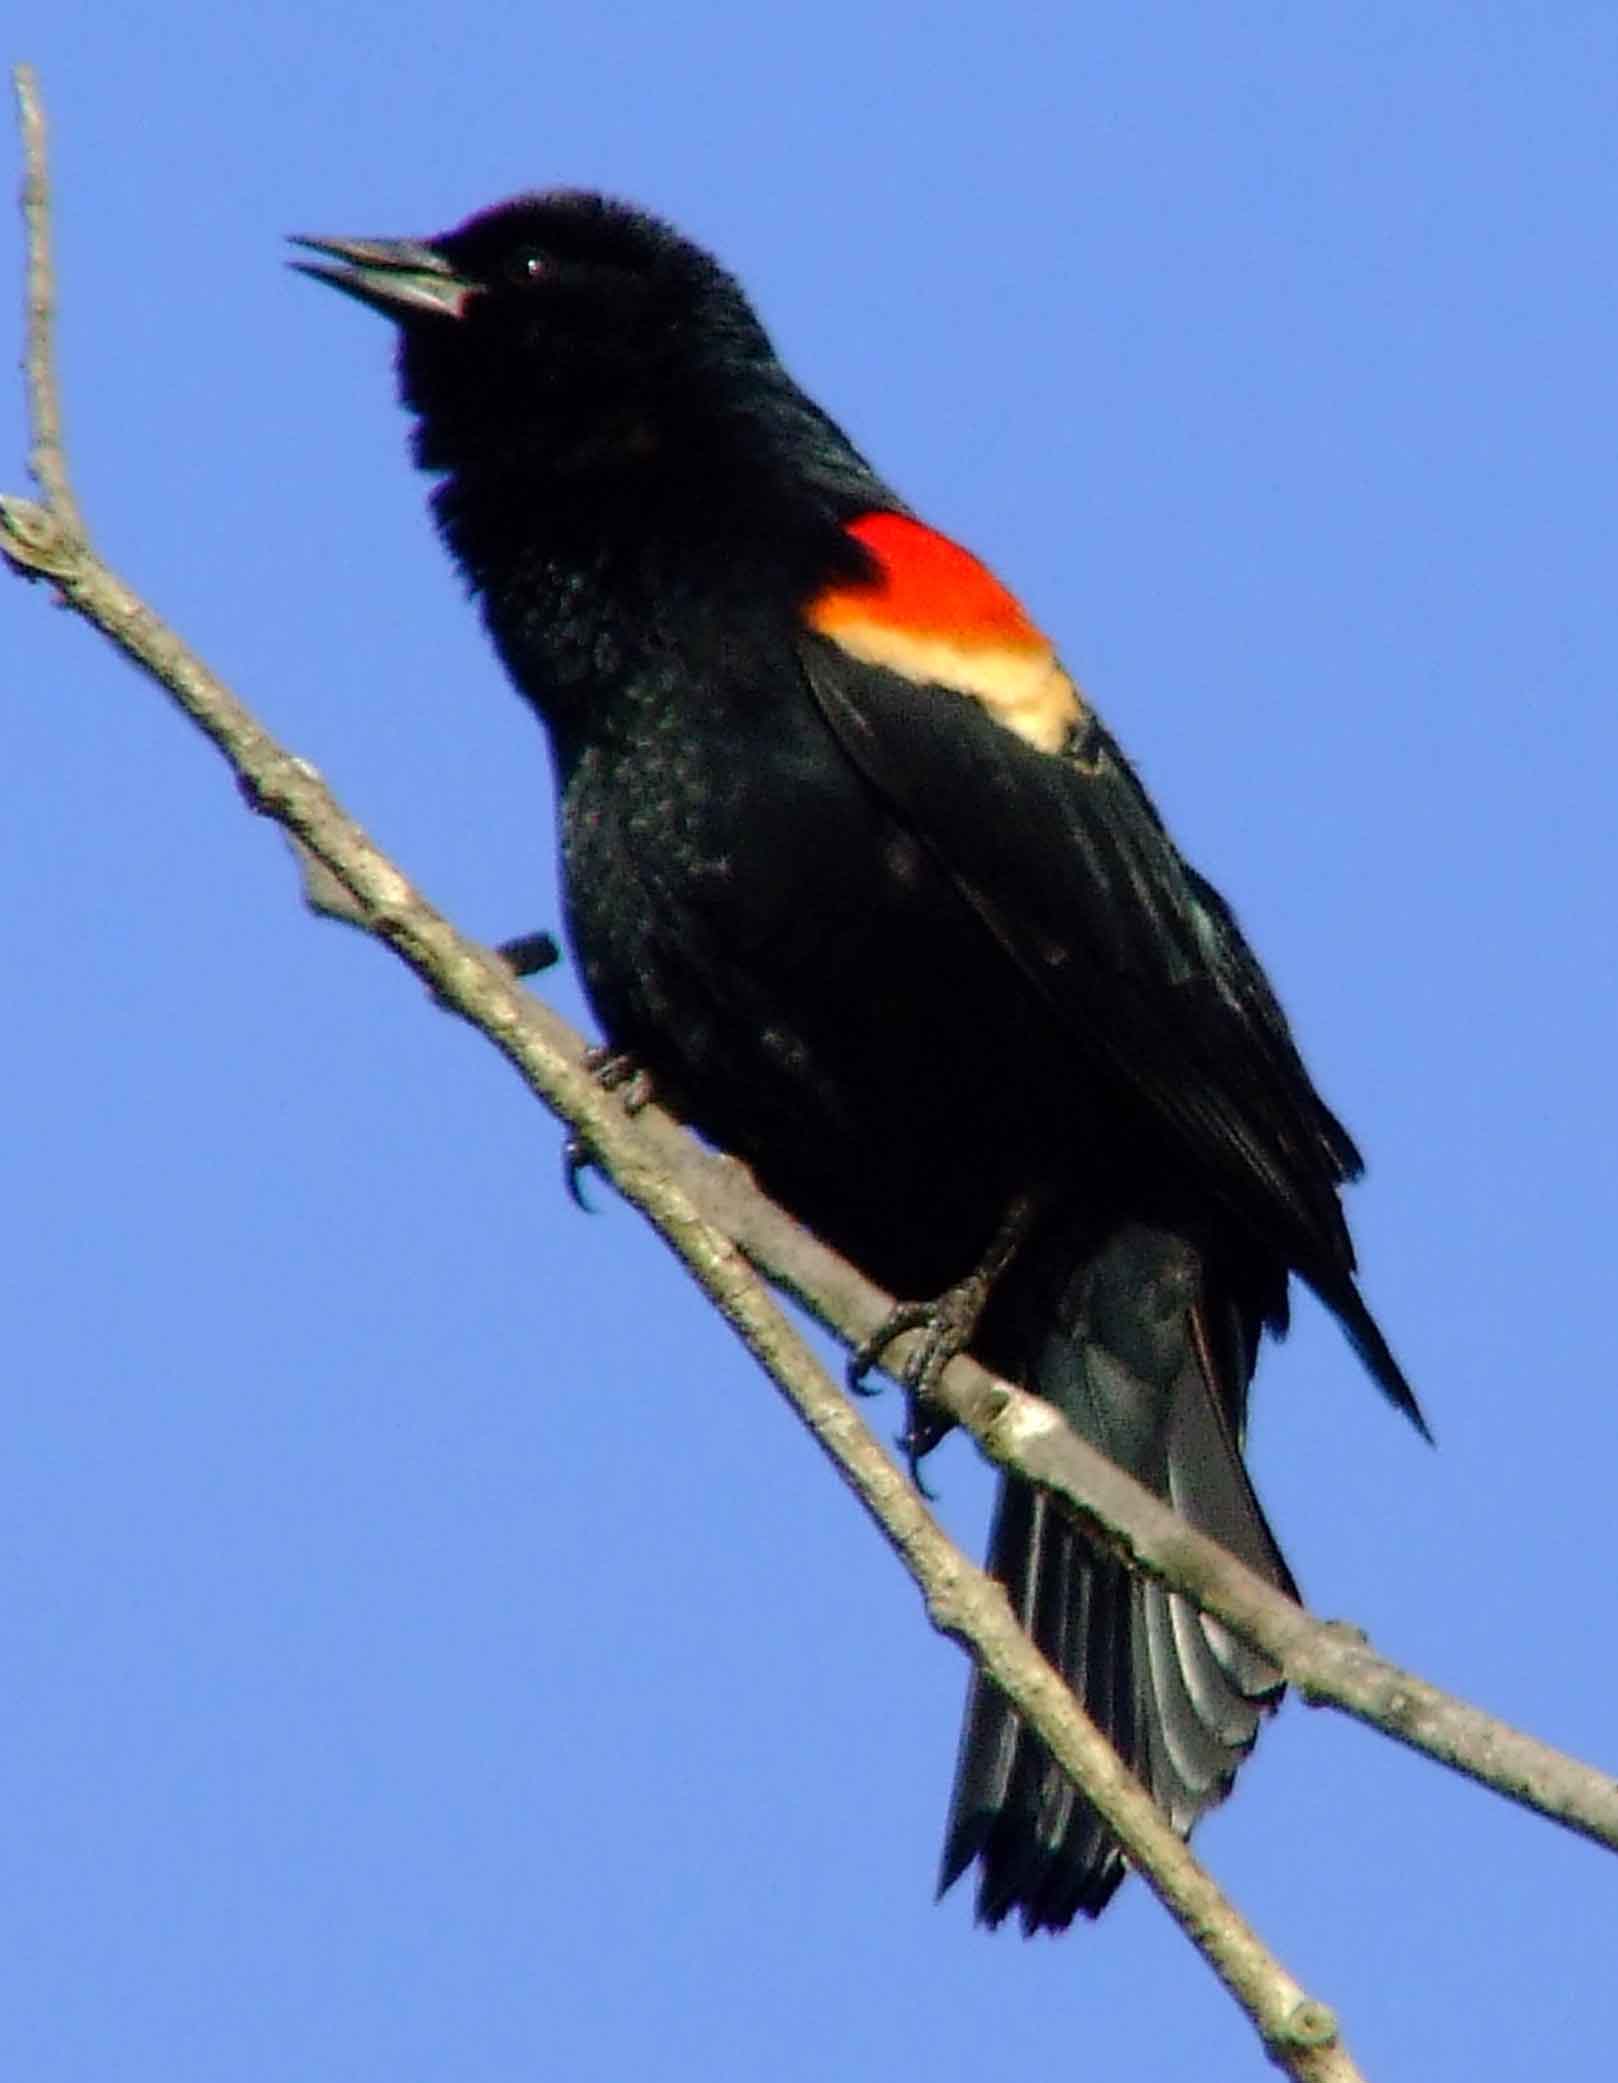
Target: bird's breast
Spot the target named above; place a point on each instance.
(805, 984)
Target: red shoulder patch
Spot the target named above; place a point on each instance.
(934, 614)
(929, 586)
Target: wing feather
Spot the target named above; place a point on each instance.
(1067, 864)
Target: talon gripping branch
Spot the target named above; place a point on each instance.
(860, 879)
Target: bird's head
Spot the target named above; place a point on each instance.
(556, 330)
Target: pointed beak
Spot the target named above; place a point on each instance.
(398, 277)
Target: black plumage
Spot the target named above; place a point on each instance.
(853, 871)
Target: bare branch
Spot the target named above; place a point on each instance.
(714, 1218)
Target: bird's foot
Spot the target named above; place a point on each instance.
(614, 1070)
(947, 1325)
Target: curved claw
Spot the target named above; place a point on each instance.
(614, 1070)
(915, 1442)
(947, 1325)
(902, 1317)
(943, 1336)
(576, 1161)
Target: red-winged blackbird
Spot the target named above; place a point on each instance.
(856, 873)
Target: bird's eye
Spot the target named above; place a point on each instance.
(526, 267)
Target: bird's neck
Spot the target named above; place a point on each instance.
(588, 579)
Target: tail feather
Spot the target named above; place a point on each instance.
(1191, 1756)
(1153, 1370)
(1208, 1670)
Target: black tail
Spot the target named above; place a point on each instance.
(1154, 1371)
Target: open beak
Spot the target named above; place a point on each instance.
(398, 277)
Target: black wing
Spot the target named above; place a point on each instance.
(1064, 859)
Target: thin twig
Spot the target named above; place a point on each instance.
(47, 459)
(1327, 1663)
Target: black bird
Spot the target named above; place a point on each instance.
(855, 872)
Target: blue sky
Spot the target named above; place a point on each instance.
(429, 1651)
